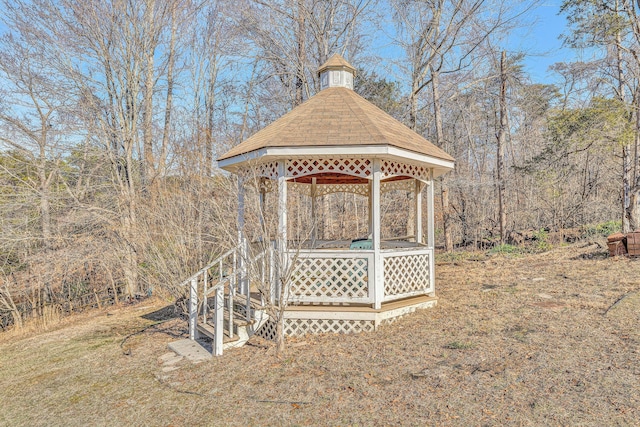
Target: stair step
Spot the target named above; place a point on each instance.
(208, 331)
(256, 303)
(237, 320)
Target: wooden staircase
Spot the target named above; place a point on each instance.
(241, 328)
(221, 306)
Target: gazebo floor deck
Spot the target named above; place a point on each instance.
(363, 308)
(348, 307)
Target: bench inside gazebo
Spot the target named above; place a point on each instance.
(336, 142)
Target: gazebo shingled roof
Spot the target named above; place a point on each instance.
(337, 117)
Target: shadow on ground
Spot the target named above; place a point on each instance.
(168, 312)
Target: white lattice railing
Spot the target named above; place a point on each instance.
(331, 276)
(407, 273)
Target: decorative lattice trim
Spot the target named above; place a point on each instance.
(324, 189)
(303, 167)
(404, 185)
(299, 327)
(300, 188)
(268, 170)
(330, 278)
(263, 170)
(390, 168)
(267, 331)
(361, 189)
(406, 273)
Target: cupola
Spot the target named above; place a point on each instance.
(336, 72)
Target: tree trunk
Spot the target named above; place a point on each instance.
(301, 41)
(444, 188)
(501, 137)
(45, 206)
(632, 207)
(162, 162)
(413, 105)
(148, 169)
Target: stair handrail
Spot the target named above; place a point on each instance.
(238, 278)
(209, 266)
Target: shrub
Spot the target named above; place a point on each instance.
(505, 249)
(603, 229)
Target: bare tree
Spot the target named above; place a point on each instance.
(501, 142)
(33, 117)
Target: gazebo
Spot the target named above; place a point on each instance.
(334, 142)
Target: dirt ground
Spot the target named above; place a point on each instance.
(531, 340)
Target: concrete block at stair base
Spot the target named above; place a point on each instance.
(192, 350)
(170, 358)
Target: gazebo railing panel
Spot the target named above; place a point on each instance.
(331, 276)
(407, 273)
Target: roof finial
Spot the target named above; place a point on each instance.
(336, 72)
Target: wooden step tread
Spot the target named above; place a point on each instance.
(237, 319)
(256, 303)
(208, 331)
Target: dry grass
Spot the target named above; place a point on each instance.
(530, 340)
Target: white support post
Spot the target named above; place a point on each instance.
(205, 307)
(370, 210)
(314, 211)
(218, 322)
(232, 290)
(272, 274)
(230, 316)
(418, 211)
(193, 309)
(245, 278)
(263, 199)
(431, 233)
(378, 282)
(282, 208)
(241, 241)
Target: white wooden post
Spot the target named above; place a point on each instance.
(272, 274)
(218, 322)
(370, 210)
(205, 308)
(232, 291)
(282, 208)
(431, 233)
(430, 213)
(241, 241)
(193, 309)
(263, 199)
(418, 210)
(314, 211)
(245, 278)
(282, 226)
(378, 280)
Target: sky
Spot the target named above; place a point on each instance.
(543, 40)
(540, 40)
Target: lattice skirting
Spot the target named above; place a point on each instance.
(300, 327)
(267, 331)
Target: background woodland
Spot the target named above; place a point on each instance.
(112, 114)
